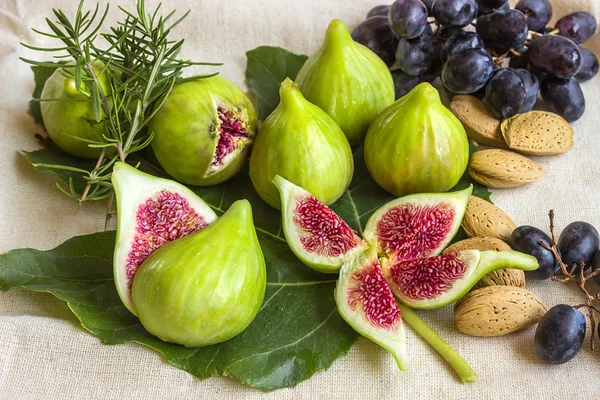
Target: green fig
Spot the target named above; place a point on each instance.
(348, 81)
(68, 112)
(204, 131)
(417, 145)
(206, 287)
(302, 144)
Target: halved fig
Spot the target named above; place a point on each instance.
(367, 304)
(418, 225)
(151, 212)
(316, 234)
(433, 282)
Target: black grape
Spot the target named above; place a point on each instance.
(375, 33)
(408, 18)
(589, 65)
(419, 56)
(578, 242)
(404, 83)
(459, 43)
(467, 72)
(486, 10)
(491, 3)
(555, 55)
(579, 26)
(564, 97)
(538, 13)
(382, 10)
(560, 334)
(505, 93)
(429, 5)
(517, 62)
(457, 13)
(503, 30)
(532, 87)
(527, 239)
(446, 32)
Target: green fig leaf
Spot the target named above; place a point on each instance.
(40, 76)
(267, 68)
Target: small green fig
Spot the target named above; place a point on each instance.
(302, 144)
(417, 145)
(67, 111)
(206, 287)
(348, 81)
(204, 131)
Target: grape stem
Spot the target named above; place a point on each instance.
(580, 278)
(462, 368)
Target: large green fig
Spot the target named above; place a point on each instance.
(206, 287)
(348, 81)
(302, 144)
(417, 145)
(67, 111)
(204, 131)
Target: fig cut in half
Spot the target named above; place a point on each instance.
(418, 225)
(367, 304)
(433, 282)
(151, 212)
(316, 234)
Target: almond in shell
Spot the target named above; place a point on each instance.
(479, 123)
(502, 169)
(539, 133)
(482, 218)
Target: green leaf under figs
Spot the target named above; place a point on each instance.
(40, 75)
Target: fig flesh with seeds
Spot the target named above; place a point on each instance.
(433, 282)
(206, 287)
(316, 234)
(151, 212)
(204, 131)
(347, 81)
(302, 144)
(366, 303)
(417, 145)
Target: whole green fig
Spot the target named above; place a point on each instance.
(348, 81)
(204, 131)
(206, 287)
(301, 143)
(417, 145)
(68, 116)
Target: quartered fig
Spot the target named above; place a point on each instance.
(434, 282)
(417, 145)
(151, 212)
(416, 226)
(317, 235)
(204, 131)
(206, 287)
(301, 143)
(366, 303)
(348, 81)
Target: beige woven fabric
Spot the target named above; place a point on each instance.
(45, 354)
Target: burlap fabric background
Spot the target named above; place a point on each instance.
(45, 354)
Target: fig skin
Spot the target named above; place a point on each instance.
(186, 130)
(417, 145)
(347, 81)
(63, 119)
(302, 144)
(206, 287)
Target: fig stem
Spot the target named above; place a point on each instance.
(462, 368)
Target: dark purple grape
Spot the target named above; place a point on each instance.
(457, 13)
(579, 26)
(375, 33)
(563, 97)
(428, 31)
(589, 65)
(517, 62)
(596, 267)
(486, 10)
(560, 334)
(527, 239)
(382, 11)
(505, 93)
(491, 3)
(429, 5)
(538, 13)
(404, 83)
(578, 242)
(532, 87)
(446, 32)
(408, 18)
(555, 55)
(459, 43)
(467, 72)
(419, 56)
(503, 30)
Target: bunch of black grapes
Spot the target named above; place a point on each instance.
(543, 59)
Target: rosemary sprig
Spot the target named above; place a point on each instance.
(141, 65)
